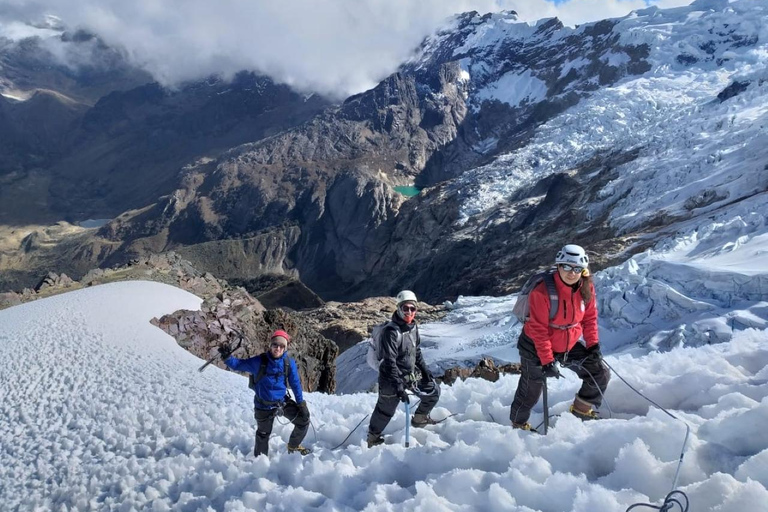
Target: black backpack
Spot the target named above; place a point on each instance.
(254, 379)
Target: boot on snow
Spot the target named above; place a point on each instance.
(422, 420)
(375, 440)
(524, 426)
(583, 410)
(299, 449)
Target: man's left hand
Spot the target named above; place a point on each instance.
(594, 351)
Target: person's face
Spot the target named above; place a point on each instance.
(277, 346)
(570, 274)
(408, 311)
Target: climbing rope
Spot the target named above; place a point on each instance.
(675, 498)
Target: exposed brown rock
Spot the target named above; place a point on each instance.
(53, 280)
(485, 369)
(351, 322)
(221, 319)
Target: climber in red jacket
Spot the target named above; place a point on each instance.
(569, 338)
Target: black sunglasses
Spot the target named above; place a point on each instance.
(571, 268)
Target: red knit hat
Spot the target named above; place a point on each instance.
(281, 333)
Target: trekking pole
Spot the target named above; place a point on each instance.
(407, 424)
(546, 408)
(219, 355)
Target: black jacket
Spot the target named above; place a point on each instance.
(400, 358)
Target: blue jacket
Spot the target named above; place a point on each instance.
(271, 388)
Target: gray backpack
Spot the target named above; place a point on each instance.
(373, 357)
(522, 309)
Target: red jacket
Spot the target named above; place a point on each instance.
(571, 311)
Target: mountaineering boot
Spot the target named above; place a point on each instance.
(524, 426)
(422, 420)
(299, 449)
(583, 410)
(375, 440)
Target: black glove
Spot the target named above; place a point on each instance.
(224, 352)
(594, 351)
(550, 370)
(403, 396)
(303, 409)
(426, 377)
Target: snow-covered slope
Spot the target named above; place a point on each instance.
(696, 118)
(102, 411)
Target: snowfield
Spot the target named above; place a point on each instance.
(102, 411)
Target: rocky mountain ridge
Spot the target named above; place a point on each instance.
(316, 202)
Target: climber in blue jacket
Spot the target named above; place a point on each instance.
(271, 373)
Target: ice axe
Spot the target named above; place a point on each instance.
(239, 334)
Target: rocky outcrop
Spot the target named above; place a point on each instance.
(53, 280)
(484, 369)
(349, 323)
(223, 318)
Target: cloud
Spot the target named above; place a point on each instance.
(335, 47)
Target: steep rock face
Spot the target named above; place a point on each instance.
(493, 252)
(311, 200)
(130, 145)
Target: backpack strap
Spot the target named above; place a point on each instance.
(554, 302)
(554, 299)
(254, 379)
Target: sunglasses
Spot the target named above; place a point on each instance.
(408, 309)
(277, 345)
(571, 268)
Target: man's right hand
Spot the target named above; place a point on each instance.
(224, 352)
(403, 396)
(550, 370)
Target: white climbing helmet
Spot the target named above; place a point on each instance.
(572, 254)
(406, 296)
